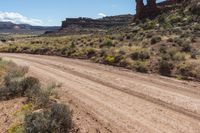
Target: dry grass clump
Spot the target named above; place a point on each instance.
(52, 117)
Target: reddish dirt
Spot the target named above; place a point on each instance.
(7, 110)
(108, 99)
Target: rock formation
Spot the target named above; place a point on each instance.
(87, 25)
(151, 3)
(139, 8)
(151, 9)
(143, 11)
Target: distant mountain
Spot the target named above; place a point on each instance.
(9, 27)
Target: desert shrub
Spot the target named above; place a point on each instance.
(155, 40)
(141, 66)
(91, 52)
(161, 18)
(174, 18)
(11, 89)
(172, 51)
(140, 54)
(149, 25)
(166, 56)
(36, 122)
(107, 43)
(12, 82)
(170, 40)
(51, 118)
(185, 71)
(179, 41)
(149, 35)
(178, 56)
(173, 54)
(16, 128)
(16, 85)
(186, 47)
(195, 54)
(167, 25)
(195, 70)
(15, 71)
(193, 39)
(109, 59)
(36, 94)
(165, 67)
(163, 49)
(42, 50)
(68, 50)
(3, 40)
(124, 63)
(60, 117)
(55, 119)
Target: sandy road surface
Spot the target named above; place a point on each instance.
(108, 99)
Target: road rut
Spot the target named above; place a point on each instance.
(110, 99)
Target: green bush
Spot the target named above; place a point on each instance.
(149, 25)
(174, 18)
(110, 59)
(36, 122)
(56, 119)
(53, 117)
(35, 93)
(107, 43)
(16, 85)
(16, 128)
(178, 56)
(12, 82)
(141, 66)
(173, 54)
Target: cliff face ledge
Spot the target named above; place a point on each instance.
(103, 23)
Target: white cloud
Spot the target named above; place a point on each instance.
(18, 18)
(113, 6)
(102, 14)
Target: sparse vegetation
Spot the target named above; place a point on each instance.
(54, 117)
(140, 54)
(57, 118)
(153, 44)
(155, 40)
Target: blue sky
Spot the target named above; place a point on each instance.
(52, 12)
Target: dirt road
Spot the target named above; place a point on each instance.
(109, 99)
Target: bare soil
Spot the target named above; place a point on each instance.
(7, 111)
(109, 99)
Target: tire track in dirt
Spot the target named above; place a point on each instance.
(110, 103)
(179, 109)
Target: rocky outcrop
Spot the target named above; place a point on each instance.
(152, 8)
(143, 11)
(139, 8)
(88, 25)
